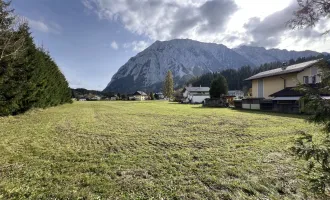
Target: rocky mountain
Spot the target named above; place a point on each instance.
(186, 59)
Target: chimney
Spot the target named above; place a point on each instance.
(284, 65)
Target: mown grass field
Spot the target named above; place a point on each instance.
(145, 150)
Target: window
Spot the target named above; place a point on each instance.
(314, 79)
(284, 83)
(305, 79)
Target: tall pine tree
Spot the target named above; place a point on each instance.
(218, 87)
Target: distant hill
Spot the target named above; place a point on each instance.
(187, 59)
(82, 92)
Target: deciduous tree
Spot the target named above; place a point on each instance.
(310, 12)
(168, 87)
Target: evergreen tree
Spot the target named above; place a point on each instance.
(152, 96)
(218, 87)
(317, 149)
(28, 76)
(168, 87)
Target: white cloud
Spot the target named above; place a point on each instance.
(87, 4)
(40, 25)
(137, 45)
(162, 20)
(114, 45)
(231, 22)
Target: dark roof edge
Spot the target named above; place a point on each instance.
(270, 75)
(302, 69)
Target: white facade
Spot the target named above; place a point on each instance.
(236, 93)
(97, 98)
(251, 106)
(140, 97)
(196, 94)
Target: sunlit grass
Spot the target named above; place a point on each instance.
(142, 150)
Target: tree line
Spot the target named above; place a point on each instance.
(29, 77)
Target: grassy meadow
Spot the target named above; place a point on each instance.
(150, 150)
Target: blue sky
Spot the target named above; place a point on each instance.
(79, 43)
(91, 39)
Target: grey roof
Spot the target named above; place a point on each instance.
(198, 89)
(140, 93)
(289, 69)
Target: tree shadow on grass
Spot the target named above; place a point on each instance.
(178, 103)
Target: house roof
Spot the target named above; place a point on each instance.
(291, 92)
(286, 98)
(287, 92)
(197, 89)
(140, 93)
(289, 69)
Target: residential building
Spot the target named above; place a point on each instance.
(95, 98)
(195, 94)
(138, 96)
(275, 89)
(238, 94)
(160, 95)
(266, 83)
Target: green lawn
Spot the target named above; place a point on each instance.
(145, 150)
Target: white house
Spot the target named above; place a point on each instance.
(195, 94)
(236, 93)
(95, 98)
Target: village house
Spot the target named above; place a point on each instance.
(159, 95)
(274, 89)
(195, 94)
(266, 83)
(95, 98)
(138, 96)
(236, 93)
